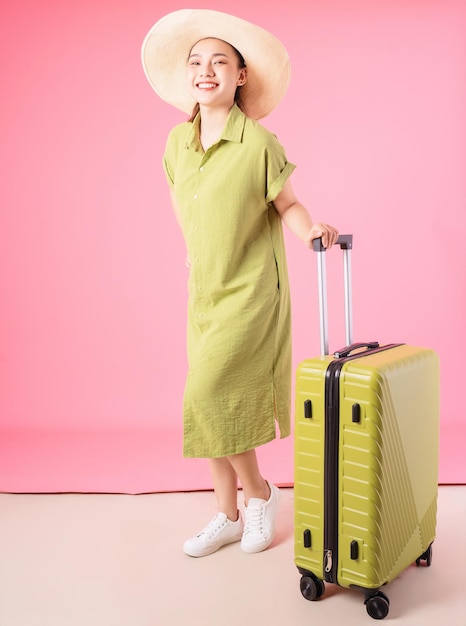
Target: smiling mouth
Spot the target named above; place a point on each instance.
(207, 86)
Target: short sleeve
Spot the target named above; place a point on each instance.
(278, 167)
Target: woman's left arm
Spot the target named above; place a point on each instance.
(298, 220)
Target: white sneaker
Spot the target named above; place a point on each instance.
(219, 532)
(259, 527)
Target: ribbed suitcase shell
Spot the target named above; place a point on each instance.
(387, 464)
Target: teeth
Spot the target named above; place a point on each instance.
(207, 85)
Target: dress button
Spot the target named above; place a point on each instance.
(195, 196)
(201, 169)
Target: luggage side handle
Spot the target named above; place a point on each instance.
(346, 244)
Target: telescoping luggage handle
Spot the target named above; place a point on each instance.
(346, 244)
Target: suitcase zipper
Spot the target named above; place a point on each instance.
(328, 561)
(331, 459)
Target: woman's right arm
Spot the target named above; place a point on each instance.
(176, 209)
(175, 206)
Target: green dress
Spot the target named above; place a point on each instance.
(238, 385)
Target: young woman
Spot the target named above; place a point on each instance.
(230, 189)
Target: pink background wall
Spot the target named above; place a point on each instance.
(92, 276)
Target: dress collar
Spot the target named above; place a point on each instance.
(232, 131)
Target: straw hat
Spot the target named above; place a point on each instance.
(167, 45)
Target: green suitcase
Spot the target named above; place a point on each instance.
(366, 459)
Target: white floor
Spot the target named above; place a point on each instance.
(116, 560)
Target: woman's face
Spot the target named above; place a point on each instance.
(213, 73)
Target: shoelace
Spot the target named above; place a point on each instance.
(213, 527)
(254, 520)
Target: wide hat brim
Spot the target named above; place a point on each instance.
(167, 45)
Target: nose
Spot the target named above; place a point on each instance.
(207, 70)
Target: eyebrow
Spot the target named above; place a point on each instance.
(215, 54)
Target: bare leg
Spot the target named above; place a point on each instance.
(225, 482)
(247, 469)
(261, 499)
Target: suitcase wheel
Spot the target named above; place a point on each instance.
(377, 605)
(311, 587)
(427, 557)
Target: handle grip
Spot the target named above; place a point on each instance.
(344, 352)
(344, 241)
(346, 244)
